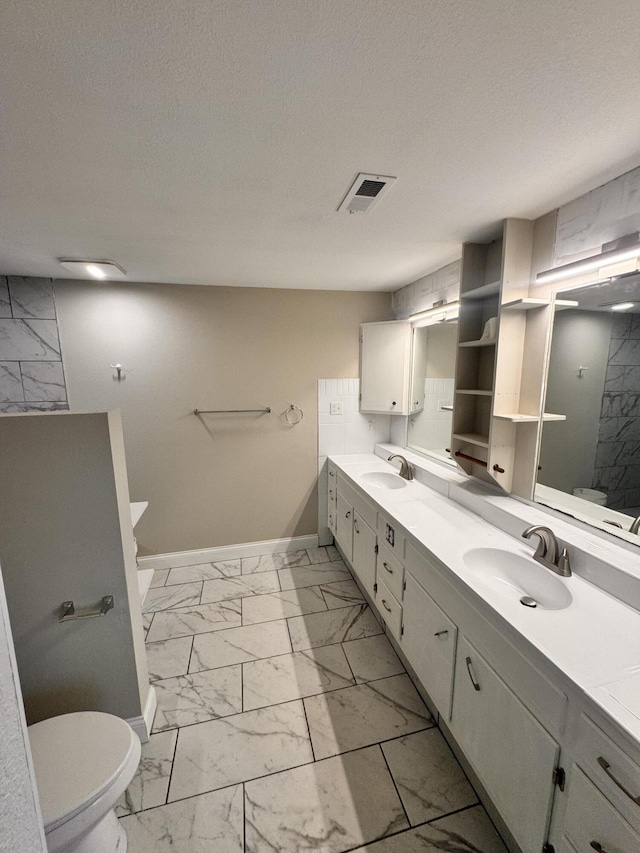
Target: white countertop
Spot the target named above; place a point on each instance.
(594, 641)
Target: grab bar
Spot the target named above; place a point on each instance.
(68, 610)
(266, 410)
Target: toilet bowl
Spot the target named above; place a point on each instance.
(83, 762)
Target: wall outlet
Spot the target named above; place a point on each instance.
(336, 408)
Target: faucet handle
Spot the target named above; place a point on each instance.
(564, 567)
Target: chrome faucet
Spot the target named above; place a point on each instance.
(635, 525)
(406, 470)
(547, 551)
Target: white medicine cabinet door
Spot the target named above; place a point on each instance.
(344, 526)
(364, 553)
(510, 751)
(385, 355)
(429, 642)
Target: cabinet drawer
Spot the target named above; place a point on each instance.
(595, 749)
(390, 570)
(591, 820)
(389, 534)
(389, 608)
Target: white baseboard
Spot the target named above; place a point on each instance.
(227, 552)
(142, 725)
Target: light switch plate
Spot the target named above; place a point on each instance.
(336, 408)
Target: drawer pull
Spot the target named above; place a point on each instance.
(441, 634)
(386, 606)
(347, 514)
(474, 681)
(606, 767)
(387, 568)
(597, 846)
(355, 525)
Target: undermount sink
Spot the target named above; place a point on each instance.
(518, 578)
(384, 480)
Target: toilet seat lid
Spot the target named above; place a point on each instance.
(76, 757)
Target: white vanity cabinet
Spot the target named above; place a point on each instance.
(356, 532)
(429, 642)
(385, 357)
(514, 756)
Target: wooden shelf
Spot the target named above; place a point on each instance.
(474, 392)
(472, 438)
(480, 343)
(528, 419)
(524, 304)
(491, 289)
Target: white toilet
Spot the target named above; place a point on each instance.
(83, 762)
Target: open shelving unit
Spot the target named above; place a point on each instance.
(496, 419)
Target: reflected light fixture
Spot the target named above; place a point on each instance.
(101, 270)
(622, 253)
(442, 312)
(623, 306)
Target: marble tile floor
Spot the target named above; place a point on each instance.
(286, 722)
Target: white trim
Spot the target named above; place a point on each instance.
(227, 552)
(142, 725)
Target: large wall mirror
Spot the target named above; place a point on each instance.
(590, 462)
(433, 363)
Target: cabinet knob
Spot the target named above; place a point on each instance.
(394, 403)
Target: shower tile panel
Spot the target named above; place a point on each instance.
(32, 298)
(29, 340)
(43, 380)
(11, 390)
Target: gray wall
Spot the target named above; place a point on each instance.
(569, 447)
(20, 819)
(219, 479)
(66, 534)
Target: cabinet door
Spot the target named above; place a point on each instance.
(364, 553)
(384, 367)
(507, 747)
(344, 526)
(389, 608)
(429, 642)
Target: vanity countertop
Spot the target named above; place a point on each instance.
(594, 641)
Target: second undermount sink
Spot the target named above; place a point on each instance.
(517, 577)
(384, 480)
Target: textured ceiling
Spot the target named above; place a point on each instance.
(211, 142)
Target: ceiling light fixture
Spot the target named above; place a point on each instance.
(442, 312)
(102, 270)
(624, 251)
(622, 306)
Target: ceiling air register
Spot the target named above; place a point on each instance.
(364, 192)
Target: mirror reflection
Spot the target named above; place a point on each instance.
(590, 462)
(432, 377)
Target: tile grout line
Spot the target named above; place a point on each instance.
(386, 763)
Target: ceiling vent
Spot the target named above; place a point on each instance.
(365, 191)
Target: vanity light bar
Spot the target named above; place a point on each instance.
(446, 311)
(605, 259)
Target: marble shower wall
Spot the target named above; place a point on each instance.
(617, 470)
(31, 371)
